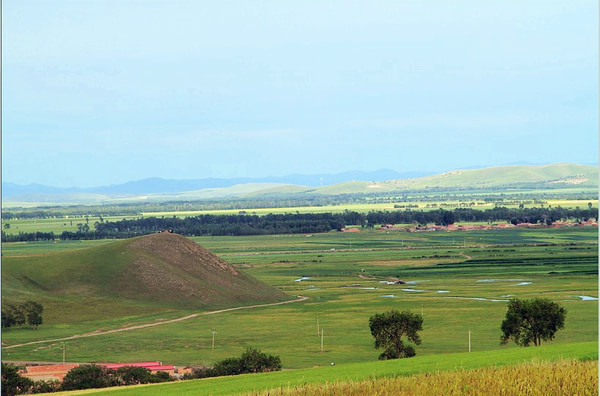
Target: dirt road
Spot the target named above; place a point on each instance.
(143, 326)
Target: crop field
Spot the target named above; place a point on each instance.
(56, 225)
(546, 378)
(367, 207)
(459, 281)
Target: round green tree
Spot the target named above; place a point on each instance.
(532, 321)
(388, 328)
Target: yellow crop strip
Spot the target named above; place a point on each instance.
(567, 377)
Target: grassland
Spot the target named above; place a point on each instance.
(451, 366)
(155, 272)
(458, 280)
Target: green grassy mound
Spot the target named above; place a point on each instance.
(138, 275)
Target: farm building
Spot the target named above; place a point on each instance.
(352, 229)
(50, 372)
(54, 372)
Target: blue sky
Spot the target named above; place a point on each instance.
(104, 92)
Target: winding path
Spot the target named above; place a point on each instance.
(143, 326)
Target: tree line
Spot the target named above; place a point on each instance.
(304, 223)
(18, 314)
(534, 215)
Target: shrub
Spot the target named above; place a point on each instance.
(12, 382)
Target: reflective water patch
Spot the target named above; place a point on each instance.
(478, 299)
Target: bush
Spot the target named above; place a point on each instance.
(131, 375)
(12, 382)
(89, 376)
(230, 366)
(45, 386)
(254, 361)
(92, 376)
(251, 361)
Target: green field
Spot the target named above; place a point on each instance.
(56, 225)
(461, 280)
(277, 381)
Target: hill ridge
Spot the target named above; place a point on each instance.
(152, 272)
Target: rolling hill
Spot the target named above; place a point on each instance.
(516, 177)
(532, 176)
(523, 177)
(139, 275)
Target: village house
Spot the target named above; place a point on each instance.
(57, 372)
(51, 372)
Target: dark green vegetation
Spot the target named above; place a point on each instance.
(12, 382)
(388, 328)
(158, 272)
(534, 320)
(251, 361)
(92, 376)
(17, 314)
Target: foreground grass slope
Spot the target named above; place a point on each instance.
(249, 383)
(565, 377)
(151, 273)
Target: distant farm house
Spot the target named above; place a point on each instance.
(55, 372)
(51, 372)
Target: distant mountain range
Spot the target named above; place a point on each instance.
(551, 177)
(156, 185)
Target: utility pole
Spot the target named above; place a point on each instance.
(318, 328)
(213, 339)
(64, 350)
(322, 340)
(469, 340)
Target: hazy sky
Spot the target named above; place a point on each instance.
(103, 92)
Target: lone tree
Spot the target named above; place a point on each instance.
(534, 320)
(388, 328)
(33, 311)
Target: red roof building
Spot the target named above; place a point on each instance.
(154, 367)
(50, 372)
